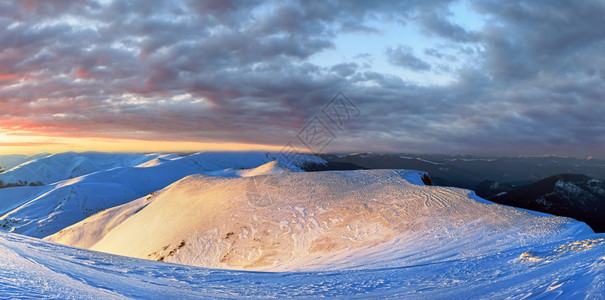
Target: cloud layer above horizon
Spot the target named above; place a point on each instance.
(485, 77)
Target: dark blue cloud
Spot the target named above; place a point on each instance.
(403, 56)
(530, 81)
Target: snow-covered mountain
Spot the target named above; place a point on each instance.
(39, 211)
(11, 161)
(88, 232)
(347, 234)
(313, 221)
(45, 169)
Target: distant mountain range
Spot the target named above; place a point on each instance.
(526, 182)
(469, 171)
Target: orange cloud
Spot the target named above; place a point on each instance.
(12, 76)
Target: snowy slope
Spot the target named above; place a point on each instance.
(88, 232)
(11, 198)
(46, 169)
(571, 268)
(568, 269)
(41, 211)
(272, 167)
(314, 221)
(72, 200)
(11, 161)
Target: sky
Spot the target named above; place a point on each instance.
(436, 76)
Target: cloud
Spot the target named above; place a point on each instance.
(403, 56)
(435, 22)
(530, 79)
(345, 69)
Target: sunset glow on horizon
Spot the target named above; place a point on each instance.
(31, 145)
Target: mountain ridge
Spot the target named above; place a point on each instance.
(572, 195)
